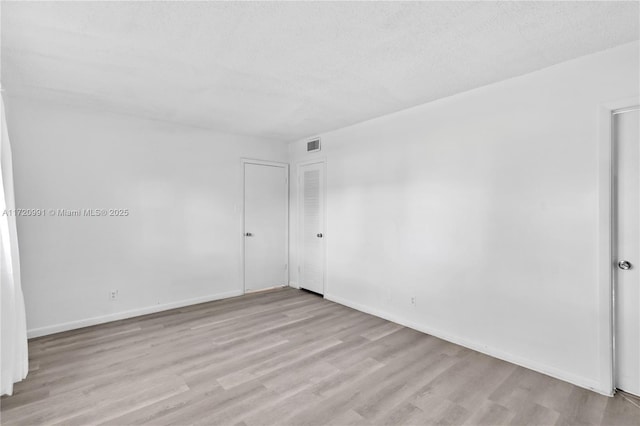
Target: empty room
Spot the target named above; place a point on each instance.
(320, 213)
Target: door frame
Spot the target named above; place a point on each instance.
(299, 166)
(243, 163)
(606, 241)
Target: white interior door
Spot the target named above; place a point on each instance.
(626, 127)
(265, 225)
(311, 222)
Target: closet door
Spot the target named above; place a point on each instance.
(311, 221)
(626, 127)
(266, 204)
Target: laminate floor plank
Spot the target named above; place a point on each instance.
(285, 357)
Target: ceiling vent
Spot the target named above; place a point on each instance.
(314, 145)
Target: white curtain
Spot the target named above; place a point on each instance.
(14, 360)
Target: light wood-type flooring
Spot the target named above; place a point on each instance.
(286, 357)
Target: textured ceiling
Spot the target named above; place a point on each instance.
(289, 70)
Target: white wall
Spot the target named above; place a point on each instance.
(181, 243)
(484, 207)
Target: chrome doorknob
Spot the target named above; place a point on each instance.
(624, 265)
(319, 235)
(248, 234)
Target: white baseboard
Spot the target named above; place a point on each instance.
(72, 325)
(554, 372)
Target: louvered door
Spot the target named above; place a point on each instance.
(311, 222)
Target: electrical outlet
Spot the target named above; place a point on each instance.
(413, 300)
(113, 294)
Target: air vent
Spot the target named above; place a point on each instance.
(314, 145)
